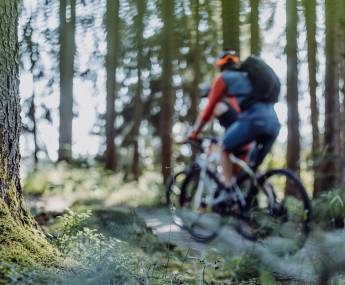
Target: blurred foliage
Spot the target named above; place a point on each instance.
(330, 208)
(89, 185)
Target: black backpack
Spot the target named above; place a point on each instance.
(265, 82)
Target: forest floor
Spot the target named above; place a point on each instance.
(112, 232)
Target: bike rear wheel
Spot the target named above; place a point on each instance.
(278, 207)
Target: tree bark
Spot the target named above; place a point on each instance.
(141, 7)
(10, 123)
(255, 46)
(310, 19)
(293, 147)
(231, 25)
(167, 100)
(66, 65)
(331, 135)
(112, 29)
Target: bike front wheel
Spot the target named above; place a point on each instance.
(197, 192)
(173, 188)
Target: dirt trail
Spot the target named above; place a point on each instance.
(162, 225)
(322, 252)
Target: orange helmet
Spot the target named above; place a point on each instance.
(227, 58)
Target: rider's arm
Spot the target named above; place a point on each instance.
(218, 89)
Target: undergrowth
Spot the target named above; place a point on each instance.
(103, 241)
(23, 248)
(330, 208)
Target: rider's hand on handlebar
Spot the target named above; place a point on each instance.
(192, 136)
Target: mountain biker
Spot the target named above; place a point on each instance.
(257, 123)
(227, 113)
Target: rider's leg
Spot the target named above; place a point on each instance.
(265, 146)
(265, 142)
(227, 168)
(237, 136)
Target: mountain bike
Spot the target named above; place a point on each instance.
(258, 205)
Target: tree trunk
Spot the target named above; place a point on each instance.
(66, 65)
(10, 123)
(33, 55)
(112, 29)
(310, 19)
(195, 96)
(293, 147)
(141, 7)
(341, 42)
(34, 127)
(21, 243)
(231, 25)
(167, 100)
(329, 165)
(255, 46)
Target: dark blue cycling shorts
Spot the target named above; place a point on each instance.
(263, 130)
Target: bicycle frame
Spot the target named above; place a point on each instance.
(203, 163)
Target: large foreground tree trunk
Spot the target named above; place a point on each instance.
(20, 242)
(310, 19)
(10, 122)
(331, 136)
(112, 30)
(293, 147)
(231, 25)
(167, 101)
(67, 51)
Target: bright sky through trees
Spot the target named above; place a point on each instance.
(89, 101)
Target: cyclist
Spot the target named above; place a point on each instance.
(227, 112)
(257, 123)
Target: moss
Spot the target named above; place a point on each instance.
(23, 244)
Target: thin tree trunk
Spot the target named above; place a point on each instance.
(141, 7)
(329, 165)
(231, 25)
(34, 129)
(33, 55)
(167, 101)
(66, 65)
(136, 160)
(112, 29)
(310, 19)
(341, 44)
(195, 96)
(293, 147)
(10, 123)
(255, 46)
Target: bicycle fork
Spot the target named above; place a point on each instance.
(201, 185)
